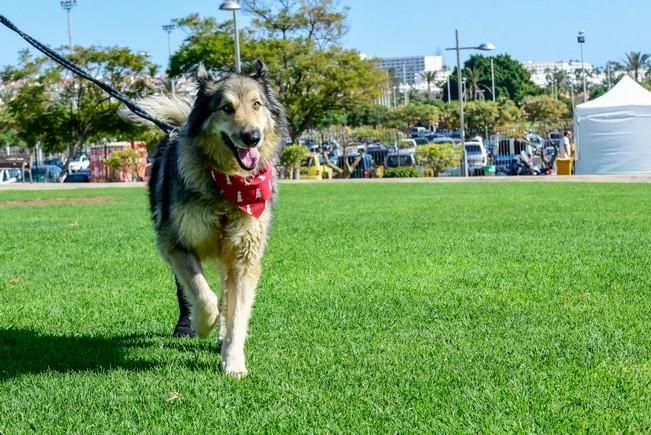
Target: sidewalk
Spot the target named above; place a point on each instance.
(643, 179)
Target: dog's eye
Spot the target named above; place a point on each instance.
(257, 105)
(227, 108)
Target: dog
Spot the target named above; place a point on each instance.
(211, 195)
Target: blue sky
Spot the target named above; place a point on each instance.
(526, 29)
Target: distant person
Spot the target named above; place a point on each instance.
(565, 151)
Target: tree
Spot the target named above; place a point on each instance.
(544, 108)
(635, 62)
(474, 77)
(438, 156)
(374, 116)
(318, 21)
(10, 133)
(481, 117)
(413, 114)
(208, 41)
(511, 79)
(123, 161)
(430, 78)
(298, 41)
(59, 111)
(291, 158)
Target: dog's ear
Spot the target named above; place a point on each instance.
(261, 73)
(202, 76)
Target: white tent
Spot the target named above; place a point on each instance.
(613, 132)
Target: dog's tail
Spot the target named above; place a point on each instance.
(171, 109)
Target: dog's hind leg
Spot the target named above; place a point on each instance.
(203, 302)
(183, 326)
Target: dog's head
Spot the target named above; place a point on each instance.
(236, 120)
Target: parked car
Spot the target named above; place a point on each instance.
(365, 168)
(79, 163)
(78, 177)
(394, 160)
(476, 156)
(55, 162)
(407, 143)
(46, 174)
(314, 168)
(9, 176)
(378, 152)
(445, 139)
(418, 132)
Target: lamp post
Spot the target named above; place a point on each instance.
(581, 41)
(232, 5)
(492, 79)
(169, 28)
(486, 46)
(68, 5)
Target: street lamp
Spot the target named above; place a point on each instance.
(232, 5)
(68, 5)
(492, 79)
(486, 46)
(581, 41)
(169, 28)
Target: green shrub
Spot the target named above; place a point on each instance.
(402, 172)
(293, 155)
(438, 156)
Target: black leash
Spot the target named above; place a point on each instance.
(167, 128)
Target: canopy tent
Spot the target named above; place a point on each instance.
(613, 132)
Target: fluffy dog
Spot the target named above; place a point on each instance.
(211, 195)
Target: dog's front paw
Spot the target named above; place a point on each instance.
(236, 369)
(205, 314)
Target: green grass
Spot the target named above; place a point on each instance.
(480, 307)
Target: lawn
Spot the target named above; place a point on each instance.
(384, 308)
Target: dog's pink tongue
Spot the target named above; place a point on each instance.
(249, 156)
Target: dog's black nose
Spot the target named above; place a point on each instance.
(250, 137)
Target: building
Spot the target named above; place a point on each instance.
(407, 70)
(540, 70)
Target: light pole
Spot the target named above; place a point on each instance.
(493, 79)
(486, 46)
(581, 40)
(169, 28)
(68, 5)
(232, 5)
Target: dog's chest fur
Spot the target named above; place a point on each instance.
(206, 231)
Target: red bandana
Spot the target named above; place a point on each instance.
(250, 194)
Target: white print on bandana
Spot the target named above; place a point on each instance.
(258, 193)
(228, 179)
(248, 209)
(239, 196)
(262, 178)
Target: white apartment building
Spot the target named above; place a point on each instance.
(539, 70)
(407, 70)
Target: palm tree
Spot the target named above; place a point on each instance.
(474, 77)
(560, 81)
(635, 62)
(429, 77)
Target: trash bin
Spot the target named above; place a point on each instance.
(489, 170)
(563, 166)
